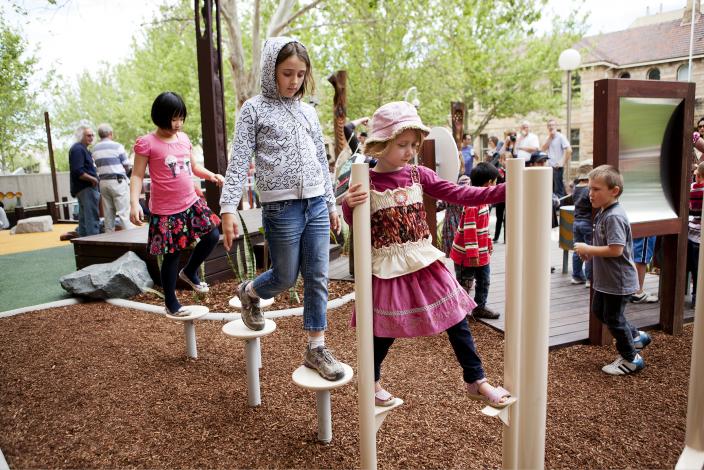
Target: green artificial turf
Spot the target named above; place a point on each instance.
(32, 277)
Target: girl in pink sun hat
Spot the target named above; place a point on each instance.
(413, 292)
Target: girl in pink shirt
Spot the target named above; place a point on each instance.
(179, 217)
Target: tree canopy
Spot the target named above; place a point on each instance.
(485, 53)
(19, 113)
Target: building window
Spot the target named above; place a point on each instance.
(683, 73)
(576, 84)
(483, 145)
(574, 142)
(653, 74)
(624, 75)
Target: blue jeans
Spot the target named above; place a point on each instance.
(482, 281)
(462, 344)
(298, 233)
(88, 212)
(581, 232)
(558, 186)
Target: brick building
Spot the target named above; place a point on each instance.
(654, 47)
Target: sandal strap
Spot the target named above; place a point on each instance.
(497, 393)
(383, 395)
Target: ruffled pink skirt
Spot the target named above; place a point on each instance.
(422, 303)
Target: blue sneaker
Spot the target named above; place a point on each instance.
(623, 367)
(642, 340)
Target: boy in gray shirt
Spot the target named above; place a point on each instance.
(615, 276)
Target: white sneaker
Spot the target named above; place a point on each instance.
(623, 367)
(644, 298)
(587, 284)
(576, 281)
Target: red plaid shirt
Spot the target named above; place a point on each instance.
(472, 245)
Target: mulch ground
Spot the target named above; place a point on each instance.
(99, 386)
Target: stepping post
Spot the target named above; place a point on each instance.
(189, 329)
(252, 350)
(311, 380)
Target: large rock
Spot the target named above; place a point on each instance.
(42, 223)
(123, 278)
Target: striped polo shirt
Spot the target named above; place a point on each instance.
(109, 157)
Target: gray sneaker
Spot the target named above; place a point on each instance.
(251, 312)
(322, 360)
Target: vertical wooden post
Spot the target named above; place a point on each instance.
(458, 112)
(339, 107)
(212, 101)
(427, 159)
(51, 156)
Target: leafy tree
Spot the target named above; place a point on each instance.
(19, 114)
(164, 59)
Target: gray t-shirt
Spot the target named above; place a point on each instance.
(616, 275)
(556, 149)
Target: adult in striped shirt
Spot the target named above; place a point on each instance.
(112, 165)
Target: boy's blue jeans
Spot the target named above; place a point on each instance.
(581, 232)
(462, 343)
(609, 308)
(298, 233)
(482, 280)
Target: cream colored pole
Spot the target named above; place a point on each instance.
(512, 322)
(361, 224)
(693, 454)
(535, 322)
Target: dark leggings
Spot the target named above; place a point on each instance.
(169, 267)
(500, 209)
(462, 343)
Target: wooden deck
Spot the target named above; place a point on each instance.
(107, 247)
(569, 304)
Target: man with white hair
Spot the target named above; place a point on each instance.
(527, 143)
(559, 152)
(84, 182)
(112, 165)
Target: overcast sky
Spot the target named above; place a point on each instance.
(84, 33)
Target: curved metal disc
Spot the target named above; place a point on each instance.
(446, 154)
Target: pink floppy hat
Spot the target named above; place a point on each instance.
(392, 119)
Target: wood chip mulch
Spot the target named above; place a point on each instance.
(99, 386)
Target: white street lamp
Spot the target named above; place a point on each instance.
(569, 60)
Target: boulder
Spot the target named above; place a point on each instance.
(33, 224)
(123, 278)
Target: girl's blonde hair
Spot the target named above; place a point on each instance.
(378, 149)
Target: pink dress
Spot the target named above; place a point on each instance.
(413, 292)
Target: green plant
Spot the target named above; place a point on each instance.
(244, 265)
(293, 292)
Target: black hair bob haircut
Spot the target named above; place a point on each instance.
(167, 106)
(482, 173)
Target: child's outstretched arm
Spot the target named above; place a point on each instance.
(586, 252)
(206, 174)
(354, 197)
(444, 190)
(243, 147)
(138, 170)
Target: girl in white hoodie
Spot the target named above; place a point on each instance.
(298, 207)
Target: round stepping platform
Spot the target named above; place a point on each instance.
(238, 329)
(309, 378)
(197, 312)
(263, 303)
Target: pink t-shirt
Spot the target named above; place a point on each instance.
(172, 189)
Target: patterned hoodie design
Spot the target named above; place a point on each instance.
(285, 137)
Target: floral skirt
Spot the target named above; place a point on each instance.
(175, 232)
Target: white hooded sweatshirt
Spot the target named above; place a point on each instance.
(285, 137)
